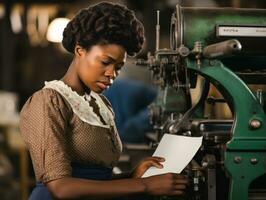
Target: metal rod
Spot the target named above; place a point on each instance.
(158, 31)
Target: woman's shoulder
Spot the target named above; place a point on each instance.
(44, 98)
(47, 95)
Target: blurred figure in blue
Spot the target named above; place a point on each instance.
(130, 100)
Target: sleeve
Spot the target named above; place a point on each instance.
(43, 126)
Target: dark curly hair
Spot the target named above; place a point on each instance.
(104, 23)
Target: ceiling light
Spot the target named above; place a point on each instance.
(55, 29)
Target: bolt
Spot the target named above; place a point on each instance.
(237, 159)
(202, 127)
(204, 164)
(254, 161)
(183, 51)
(255, 124)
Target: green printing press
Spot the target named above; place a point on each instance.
(227, 47)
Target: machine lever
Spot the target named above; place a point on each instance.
(222, 49)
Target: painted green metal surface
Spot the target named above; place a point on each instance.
(243, 173)
(247, 143)
(200, 24)
(246, 105)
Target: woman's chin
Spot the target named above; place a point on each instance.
(98, 90)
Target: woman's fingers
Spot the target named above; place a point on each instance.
(146, 164)
(181, 181)
(159, 159)
(180, 184)
(180, 187)
(177, 193)
(155, 158)
(151, 163)
(154, 162)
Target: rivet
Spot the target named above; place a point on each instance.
(237, 159)
(254, 161)
(255, 124)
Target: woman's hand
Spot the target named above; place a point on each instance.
(146, 164)
(169, 184)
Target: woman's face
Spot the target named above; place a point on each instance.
(99, 66)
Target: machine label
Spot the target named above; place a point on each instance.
(241, 31)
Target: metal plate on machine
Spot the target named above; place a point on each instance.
(241, 31)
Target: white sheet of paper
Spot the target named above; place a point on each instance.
(177, 150)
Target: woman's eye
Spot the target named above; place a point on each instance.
(105, 62)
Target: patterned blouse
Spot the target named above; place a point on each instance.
(59, 127)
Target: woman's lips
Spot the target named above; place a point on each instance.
(103, 85)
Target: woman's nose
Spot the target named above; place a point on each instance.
(111, 72)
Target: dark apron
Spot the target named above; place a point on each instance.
(93, 172)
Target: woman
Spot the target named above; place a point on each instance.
(69, 127)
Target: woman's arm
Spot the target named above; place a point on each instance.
(71, 188)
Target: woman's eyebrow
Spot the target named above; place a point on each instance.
(109, 56)
(115, 60)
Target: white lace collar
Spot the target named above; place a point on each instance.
(81, 107)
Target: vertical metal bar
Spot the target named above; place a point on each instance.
(211, 173)
(158, 31)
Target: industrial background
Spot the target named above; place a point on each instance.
(29, 56)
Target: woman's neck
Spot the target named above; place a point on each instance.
(72, 80)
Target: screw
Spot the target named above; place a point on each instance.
(254, 161)
(204, 164)
(237, 159)
(202, 127)
(255, 124)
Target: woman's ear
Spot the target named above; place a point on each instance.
(79, 51)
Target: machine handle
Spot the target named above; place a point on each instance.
(222, 49)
